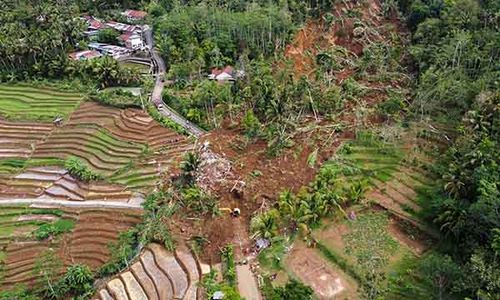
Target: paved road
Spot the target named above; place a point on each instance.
(159, 69)
(65, 203)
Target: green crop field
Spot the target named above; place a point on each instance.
(9, 219)
(30, 103)
(9, 166)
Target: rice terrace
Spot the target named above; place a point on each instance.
(111, 142)
(257, 150)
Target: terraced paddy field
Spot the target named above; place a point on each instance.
(113, 141)
(18, 139)
(156, 274)
(21, 102)
(391, 175)
(87, 243)
(126, 146)
(54, 182)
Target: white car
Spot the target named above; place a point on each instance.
(160, 106)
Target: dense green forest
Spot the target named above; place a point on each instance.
(455, 49)
(37, 37)
(452, 62)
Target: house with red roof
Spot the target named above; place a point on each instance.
(93, 25)
(122, 27)
(226, 74)
(134, 15)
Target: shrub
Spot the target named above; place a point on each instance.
(229, 272)
(80, 170)
(121, 252)
(251, 125)
(53, 229)
(393, 106)
(77, 281)
(293, 290)
(117, 98)
(210, 286)
(19, 292)
(196, 200)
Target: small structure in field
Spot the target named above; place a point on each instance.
(84, 55)
(134, 15)
(58, 121)
(261, 244)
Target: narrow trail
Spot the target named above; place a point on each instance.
(48, 202)
(247, 282)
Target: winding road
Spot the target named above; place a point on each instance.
(159, 68)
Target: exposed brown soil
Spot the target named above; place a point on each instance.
(289, 170)
(327, 281)
(417, 241)
(315, 36)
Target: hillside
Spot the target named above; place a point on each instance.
(272, 150)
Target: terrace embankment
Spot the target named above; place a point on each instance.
(86, 244)
(156, 274)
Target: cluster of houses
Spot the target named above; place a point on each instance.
(130, 38)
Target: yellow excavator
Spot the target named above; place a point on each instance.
(235, 212)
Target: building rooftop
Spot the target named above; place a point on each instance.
(84, 55)
(122, 26)
(135, 14)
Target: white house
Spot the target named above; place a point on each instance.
(132, 41)
(111, 50)
(226, 74)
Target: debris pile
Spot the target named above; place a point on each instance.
(215, 170)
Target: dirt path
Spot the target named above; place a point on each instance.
(327, 281)
(40, 202)
(247, 284)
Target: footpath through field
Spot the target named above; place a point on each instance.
(66, 203)
(247, 284)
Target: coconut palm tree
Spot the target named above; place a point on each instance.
(265, 225)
